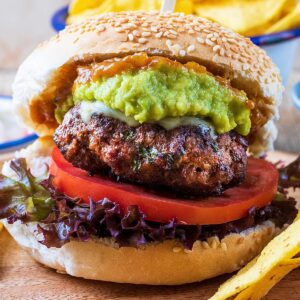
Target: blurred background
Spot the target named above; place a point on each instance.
(25, 23)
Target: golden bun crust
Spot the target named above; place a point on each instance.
(173, 35)
(164, 263)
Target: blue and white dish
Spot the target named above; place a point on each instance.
(296, 95)
(13, 135)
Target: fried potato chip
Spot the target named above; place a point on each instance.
(185, 6)
(277, 256)
(288, 7)
(245, 17)
(290, 21)
(262, 287)
(78, 6)
(106, 6)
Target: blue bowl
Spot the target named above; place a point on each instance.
(15, 143)
(58, 22)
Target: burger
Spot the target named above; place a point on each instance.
(144, 171)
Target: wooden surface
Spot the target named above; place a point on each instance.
(23, 278)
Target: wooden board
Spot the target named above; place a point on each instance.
(23, 278)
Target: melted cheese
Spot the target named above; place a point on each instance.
(87, 109)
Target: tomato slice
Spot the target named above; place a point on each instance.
(257, 190)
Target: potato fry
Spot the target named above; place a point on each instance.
(290, 21)
(245, 17)
(277, 254)
(1, 226)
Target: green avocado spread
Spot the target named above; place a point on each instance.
(150, 95)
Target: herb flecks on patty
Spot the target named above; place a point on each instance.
(187, 159)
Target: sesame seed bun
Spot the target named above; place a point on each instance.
(184, 38)
(164, 263)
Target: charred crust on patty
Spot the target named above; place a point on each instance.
(188, 160)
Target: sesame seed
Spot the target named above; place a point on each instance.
(159, 35)
(209, 35)
(191, 48)
(216, 48)
(213, 39)
(154, 29)
(146, 34)
(175, 49)
(224, 246)
(214, 244)
(222, 52)
(142, 40)
(191, 31)
(235, 56)
(182, 52)
(187, 251)
(130, 37)
(209, 42)
(173, 32)
(177, 249)
(131, 25)
(205, 245)
(120, 29)
(123, 20)
(136, 33)
(226, 46)
(169, 43)
(171, 36)
(200, 40)
(100, 28)
(197, 244)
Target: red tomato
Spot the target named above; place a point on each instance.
(257, 190)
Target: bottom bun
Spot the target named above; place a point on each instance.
(165, 263)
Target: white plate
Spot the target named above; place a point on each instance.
(13, 135)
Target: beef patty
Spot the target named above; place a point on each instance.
(187, 159)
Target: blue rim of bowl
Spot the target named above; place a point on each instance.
(58, 22)
(17, 142)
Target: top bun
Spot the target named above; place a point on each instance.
(184, 38)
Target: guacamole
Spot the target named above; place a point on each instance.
(150, 95)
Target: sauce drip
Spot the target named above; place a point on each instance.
(80, 71)
(139, 61)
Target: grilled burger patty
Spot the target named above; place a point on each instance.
(187, 159)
